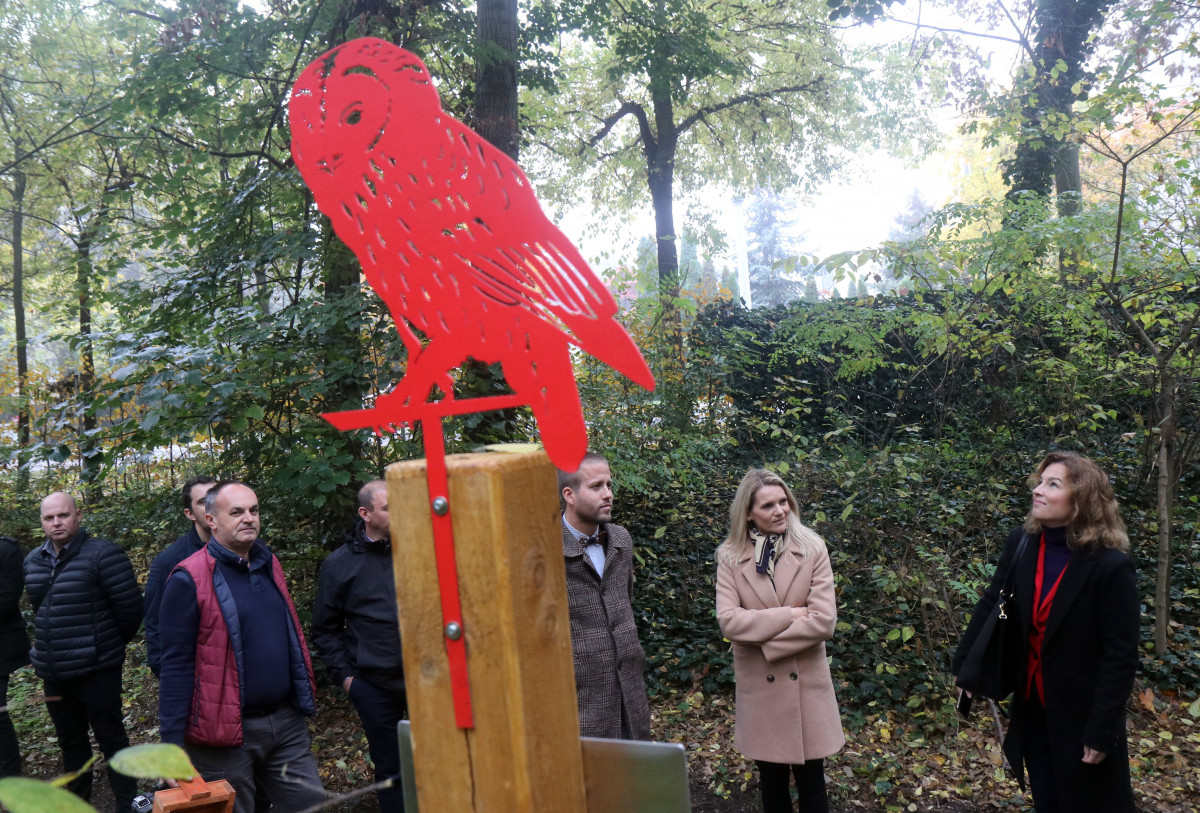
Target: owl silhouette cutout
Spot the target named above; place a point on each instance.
(451, 236)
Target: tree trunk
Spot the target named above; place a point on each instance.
(660, 164)
(88, 452)
(1069, 186)
(1067, 181)
(1063, 33)
(1166, 481)
(495, 118)
(23, 411)
(496, 75)
(340, 274)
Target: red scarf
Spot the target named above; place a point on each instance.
(1037, 630)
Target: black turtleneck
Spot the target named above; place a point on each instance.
(1058, 556)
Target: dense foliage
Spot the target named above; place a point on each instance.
(189, 310)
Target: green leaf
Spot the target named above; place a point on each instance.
(20, 794)
(153, 761)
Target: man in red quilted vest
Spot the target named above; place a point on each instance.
(237, 681)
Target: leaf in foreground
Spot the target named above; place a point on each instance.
(153, 761)
(20, 794)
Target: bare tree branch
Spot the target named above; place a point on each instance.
(627, 109)
(746, 98)
(941, 29)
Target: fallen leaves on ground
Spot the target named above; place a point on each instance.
(889, 763)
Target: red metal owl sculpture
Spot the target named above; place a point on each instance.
(451, 237)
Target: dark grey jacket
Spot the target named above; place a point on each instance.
(14, 640)
(609, 659)
(85, 610)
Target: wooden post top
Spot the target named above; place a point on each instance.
(524, 752)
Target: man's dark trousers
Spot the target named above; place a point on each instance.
(274, 754)
(10, 749)
(380, 711)
(94, 701)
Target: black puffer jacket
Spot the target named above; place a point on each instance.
(14, 640)
(85, 610)
(354, 623)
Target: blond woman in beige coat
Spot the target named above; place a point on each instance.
(775, 602)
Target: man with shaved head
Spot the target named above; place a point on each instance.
(356, 628)
(87, 607)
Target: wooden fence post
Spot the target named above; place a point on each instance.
(524, 753)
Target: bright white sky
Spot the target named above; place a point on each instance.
(855, 212)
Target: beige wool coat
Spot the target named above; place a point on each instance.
(786, 708)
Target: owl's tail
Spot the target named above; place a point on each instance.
(606, 339)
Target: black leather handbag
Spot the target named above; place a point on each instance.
(987, 670)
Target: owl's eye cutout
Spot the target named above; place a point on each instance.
(353, 116)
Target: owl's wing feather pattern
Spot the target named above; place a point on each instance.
(506, 238)
(516, 256)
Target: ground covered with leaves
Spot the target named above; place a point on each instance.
(888, 764)
(886, 767)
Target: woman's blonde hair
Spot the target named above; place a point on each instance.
(737, 545)
(1096, 521)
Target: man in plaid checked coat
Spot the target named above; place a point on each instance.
(609, 660)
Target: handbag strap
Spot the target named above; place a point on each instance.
(1012, 567)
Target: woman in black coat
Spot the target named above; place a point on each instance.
(1077, 611)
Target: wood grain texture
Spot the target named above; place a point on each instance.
(524, 752)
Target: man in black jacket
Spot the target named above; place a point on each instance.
(193, 494)
(14, 648)
(87, 607)
(357, 630)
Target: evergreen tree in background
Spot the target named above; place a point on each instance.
(908, 226)
(772, 238)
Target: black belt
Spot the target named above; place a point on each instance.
(260, 711)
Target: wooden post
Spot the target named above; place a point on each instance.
(524, 753)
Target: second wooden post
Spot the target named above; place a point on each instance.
(524, 752)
